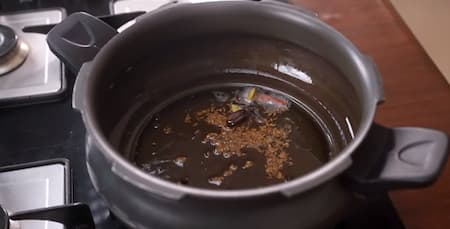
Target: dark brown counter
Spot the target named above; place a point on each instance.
(416, 92)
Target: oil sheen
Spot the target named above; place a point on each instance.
(231, 138)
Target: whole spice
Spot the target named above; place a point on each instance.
(273, 104)
(187, 118)
(235, 107)
(267, 138)
(221, 96)
(167, 130)
(213, 116)
(247, 164)
(179, 161)
(251, 94)
(219, 179)
(236, 117)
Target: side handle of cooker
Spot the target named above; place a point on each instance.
(78, 38)
(72, 216)
(397, 158)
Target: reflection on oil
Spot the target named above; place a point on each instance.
(246, 71)
(292, 71)
(350, 128)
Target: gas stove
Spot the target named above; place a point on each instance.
(52, 129)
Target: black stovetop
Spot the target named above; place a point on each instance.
(55, 130)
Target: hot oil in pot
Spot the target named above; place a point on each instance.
(231, 138)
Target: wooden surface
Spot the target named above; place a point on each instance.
(416, 93)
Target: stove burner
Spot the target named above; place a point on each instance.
(8, 40)
(13, 51)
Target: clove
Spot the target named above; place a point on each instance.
(235, 118)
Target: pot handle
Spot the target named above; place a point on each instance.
(78, 38)
(397, 158)
(72, 216)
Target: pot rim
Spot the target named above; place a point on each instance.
(331, 169)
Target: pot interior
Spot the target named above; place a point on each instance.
(213, 63)
(140, 72)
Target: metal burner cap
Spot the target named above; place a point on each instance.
(13, 51)
(8, 40)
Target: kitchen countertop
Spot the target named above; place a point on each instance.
(416, 92)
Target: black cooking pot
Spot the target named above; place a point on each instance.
(139, 69)
(72, 216)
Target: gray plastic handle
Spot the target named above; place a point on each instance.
(417, 156)
(78, 38)
(405, 157)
